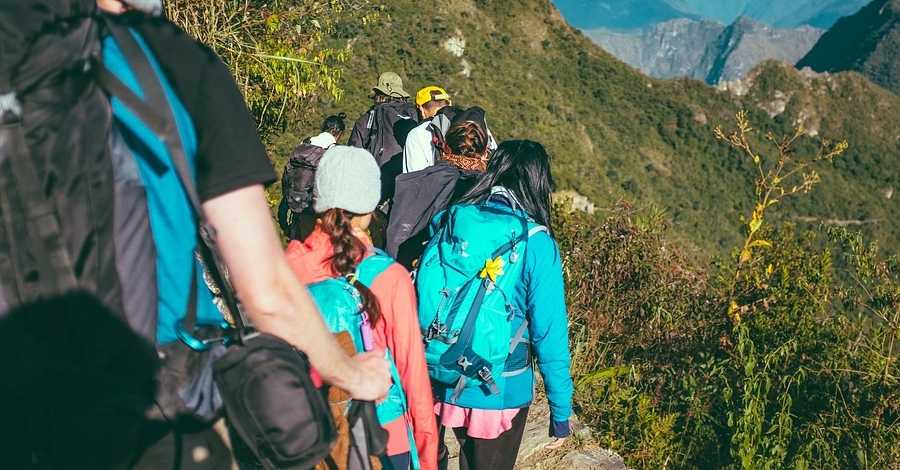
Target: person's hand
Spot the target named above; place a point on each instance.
(373, 377)
(557, 443)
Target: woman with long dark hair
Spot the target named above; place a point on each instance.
(347, 191)
(420, 195)
(492, 304)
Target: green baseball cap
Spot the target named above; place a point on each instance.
(389, 83)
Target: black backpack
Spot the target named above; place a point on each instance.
(299, 179)
(77, 268)
(380, 140)
(420, 196)
(74, 228)
(298, 189)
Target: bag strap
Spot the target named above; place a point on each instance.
(371, 129)
(155, 111)
(54, 260)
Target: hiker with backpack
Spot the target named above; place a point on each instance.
(374, 130)
(424, 142)
(491, 304)
(127, 148)
(362, 292)
(295, 214)
(422, 194)
(377, 130)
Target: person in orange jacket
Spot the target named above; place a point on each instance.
(347, 192)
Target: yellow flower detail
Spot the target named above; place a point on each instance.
(493, 268)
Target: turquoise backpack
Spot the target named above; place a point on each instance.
(341, 306)
(466, 281)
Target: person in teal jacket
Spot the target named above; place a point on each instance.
(489, 427)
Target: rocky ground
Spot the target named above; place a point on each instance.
(578, 453)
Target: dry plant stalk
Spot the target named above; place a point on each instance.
(778, 178)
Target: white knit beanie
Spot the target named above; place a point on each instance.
(347, 178)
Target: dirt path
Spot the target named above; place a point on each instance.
(578, 453)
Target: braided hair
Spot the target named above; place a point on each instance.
(349, 251)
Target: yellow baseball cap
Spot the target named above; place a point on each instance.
(431, 93)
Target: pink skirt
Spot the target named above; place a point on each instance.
(480, 424)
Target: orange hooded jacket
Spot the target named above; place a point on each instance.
(397, 330)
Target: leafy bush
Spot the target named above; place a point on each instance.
(783, 355)
(641, 316)
(276, 50)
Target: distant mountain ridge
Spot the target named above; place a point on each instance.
(706, 50)
(867, 42)
(638, 14)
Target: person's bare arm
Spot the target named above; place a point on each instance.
(275, 301)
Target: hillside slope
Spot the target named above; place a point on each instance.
(706, 50)
(615, 133)
(867, 42)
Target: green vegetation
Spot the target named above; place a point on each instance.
(616, 134)
(276, 49)
(782, 353)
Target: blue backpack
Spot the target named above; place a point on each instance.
(341, 306)
(466, 281)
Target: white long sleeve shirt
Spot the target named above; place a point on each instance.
(418, 153)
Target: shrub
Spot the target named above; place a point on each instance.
(783, 355)
(278, 50)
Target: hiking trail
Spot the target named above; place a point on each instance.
(579, 452)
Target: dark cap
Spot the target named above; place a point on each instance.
(474, 114)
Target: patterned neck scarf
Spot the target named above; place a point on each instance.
(465, 163)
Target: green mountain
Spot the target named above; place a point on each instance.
(867, 42)
(617, 134)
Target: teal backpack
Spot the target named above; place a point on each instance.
(341, 306)
(466, 281)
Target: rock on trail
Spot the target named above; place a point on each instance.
(578, 453)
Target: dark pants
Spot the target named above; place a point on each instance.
(490, 454)
(396, 462)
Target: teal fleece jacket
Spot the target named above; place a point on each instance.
(541, 294)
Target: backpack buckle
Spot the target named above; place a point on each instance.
(488, 378)
(435, 330)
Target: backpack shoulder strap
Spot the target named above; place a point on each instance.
(536, 230)
(373, 266)
(370, 128)
(155, 111)
(54, 260)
